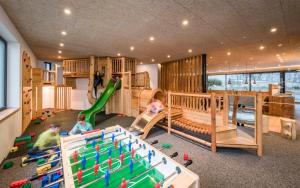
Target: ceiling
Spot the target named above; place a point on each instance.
(216, 27)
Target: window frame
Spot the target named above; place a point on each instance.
(5, 74)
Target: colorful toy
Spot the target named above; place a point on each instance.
(185, 156)
(13, 149)
(8, 164)
(19, 183)
(32, 134)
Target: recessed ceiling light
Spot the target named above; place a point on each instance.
(221, 43)
(59, 51)
(279, 65)
(273, 29)
(228, 53)
(151, 38)
(131, 48)
(210, 57)
(168, 56)
(244, 37)
(277, 55)
(63, 33)
(152, 60)
(59, 56)
(67, 11)
(141, 62)
(185, 22)
(118, 54)
(190, 51)
(61, 44)
(251, 58)
(279, 45)
(261, 47)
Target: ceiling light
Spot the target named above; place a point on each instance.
(221, 43)
(210, 57)
(59, 51)
(277, 55)
(251, 58)
(152, 60)
(67, 11)
(185, 22)
(261, 47)
(59, 57)
(61, 44)
(190, 51)
(244, 37)
(228, 53)
(64, 33)
(151, 38)
(273, 29)
(131, 48)
(168, 56)
(141, 62)
(118, 54)
(279, 45)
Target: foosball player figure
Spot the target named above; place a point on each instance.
(129, 145)
(109, 161)
(149, 156)
(131, 166)
(171, 186)
(113, 138)
(109, 152)
(157, 185)
(94, 144)
(102, 135)
(79, 176)
(116, 143)
(124, 183)
(97, 158)
(122, 158)
(83, 162)
(75, 156)
(97, 148)
(107, 175)
(132, 153)
(120, 148)
(96, 168)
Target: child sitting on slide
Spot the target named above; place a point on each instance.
(81, 126)
(154, 107)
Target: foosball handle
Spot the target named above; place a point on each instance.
(18, 183)
(188, 163)
(154, 142)
(175, 154)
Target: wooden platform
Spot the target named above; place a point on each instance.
(242, 140)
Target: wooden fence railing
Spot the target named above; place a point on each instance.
(62, 98)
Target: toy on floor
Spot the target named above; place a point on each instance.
(22, 140)
(166, 146)
(8, 164)
(13, 149)
(185, 156)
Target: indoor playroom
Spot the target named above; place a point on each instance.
(149, 94)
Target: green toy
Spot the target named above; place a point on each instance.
(29, 145)
(166, 146)
(27, 185)
(37, 121)
(41, 161)
(8, 165)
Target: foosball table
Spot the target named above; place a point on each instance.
(116, 158)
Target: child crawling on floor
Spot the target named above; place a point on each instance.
(154, 107)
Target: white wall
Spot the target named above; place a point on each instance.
(11, 126)
(152, 69)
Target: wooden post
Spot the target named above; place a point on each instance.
(213, 123)
(235, 108)
(258, 124)
(55, 98)
(169, 112)
(225, 109)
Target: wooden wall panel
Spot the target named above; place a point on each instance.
(26, 90)
(183, 75)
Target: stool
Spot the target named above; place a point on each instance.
(288, 128)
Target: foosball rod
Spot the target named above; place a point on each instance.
(117, 169)
(53, 183)
(152, 143)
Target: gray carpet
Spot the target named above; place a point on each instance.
(279, 167)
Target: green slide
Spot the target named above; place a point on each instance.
(100, 103)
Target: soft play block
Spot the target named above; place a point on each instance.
(23, 138)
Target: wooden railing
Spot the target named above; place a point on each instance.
(49, 77)
(62, 98)
(117, 65)
(141, 79)
(76, 67)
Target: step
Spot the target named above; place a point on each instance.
(226, 132)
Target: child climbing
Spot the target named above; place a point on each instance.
(81, 126)
(98, 80)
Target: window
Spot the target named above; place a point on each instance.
(292, 84)
(48, 66)
(238, 82)
(216, 82)
(261, 81)
(2, 74)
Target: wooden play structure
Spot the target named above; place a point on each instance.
(26, 90)
(183, 75)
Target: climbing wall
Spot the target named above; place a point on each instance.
(26, 90)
